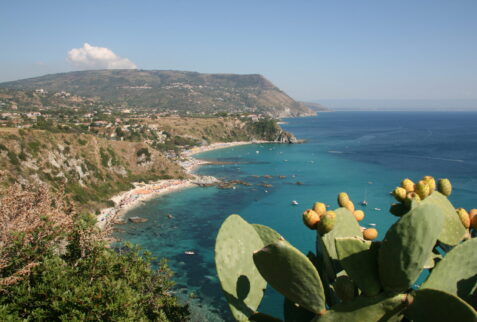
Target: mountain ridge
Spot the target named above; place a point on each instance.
(168, 90)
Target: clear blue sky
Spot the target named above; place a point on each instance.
(401, 49)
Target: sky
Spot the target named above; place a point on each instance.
(335, 49)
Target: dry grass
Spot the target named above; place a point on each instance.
(32, 222)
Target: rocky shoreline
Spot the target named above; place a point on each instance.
(142, 192)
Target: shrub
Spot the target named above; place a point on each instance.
(54, 266)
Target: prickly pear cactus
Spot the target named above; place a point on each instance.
(376, 308)
(407, 245)
(291, 273)
(241, 282)
(452, 231)
(356, 279)
(457, 272)
(267, 234)
(359, 259)
(345, 226)
(434, 305)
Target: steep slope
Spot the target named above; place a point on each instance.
(91, 169)
(173, 90)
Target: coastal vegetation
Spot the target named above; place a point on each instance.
(351, 277)
(94, 161)
(63, 156)
(54, 266)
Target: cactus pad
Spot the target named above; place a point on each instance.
(453, 231)
(345, 226)
(376, 308)
(291, 273)
(456, 273)
(240, 280)
(407, 245)
(267, 234)
(359, 258)
(434, 305)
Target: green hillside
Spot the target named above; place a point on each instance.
(184, 92)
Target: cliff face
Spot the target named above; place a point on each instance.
(173, 90)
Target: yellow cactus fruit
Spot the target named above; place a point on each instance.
(445, 187)
(408, 185)
(326, 223)
(319, 208)
(370, 234)
(400, 194)
(310, 218)
(431, 182)
(359, 215)
(422, 189)
(342, 198)
(349, 205)
(464, 217)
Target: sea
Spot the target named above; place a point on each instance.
(366, 154)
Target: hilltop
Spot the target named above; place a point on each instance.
(175, 91)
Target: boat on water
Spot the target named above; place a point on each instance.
(377, 209)
(294, 203)
(189, 252)
(372, 225)
(364, 202)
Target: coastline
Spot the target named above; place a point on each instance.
(142, 192)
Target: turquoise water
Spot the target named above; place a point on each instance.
(365, 154)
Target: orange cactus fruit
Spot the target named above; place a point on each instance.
(370, 234)
(359, 215)
(319, 208)
(310, 218)
(408, 185)
(349, 205)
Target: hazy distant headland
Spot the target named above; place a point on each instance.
(400, 104)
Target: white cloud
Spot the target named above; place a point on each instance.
(91, 57)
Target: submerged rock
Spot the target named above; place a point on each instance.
(137, 220)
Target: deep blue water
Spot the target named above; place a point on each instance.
(365, 154)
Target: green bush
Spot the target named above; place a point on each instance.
(58, 269)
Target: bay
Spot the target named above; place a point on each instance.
(365, 154)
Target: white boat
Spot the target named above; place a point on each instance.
(294, 202)
(364, 202)
(377, 209)
(189, 252)
(372, 225)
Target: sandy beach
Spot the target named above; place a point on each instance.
(125, 201)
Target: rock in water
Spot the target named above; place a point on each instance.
(137, 220)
